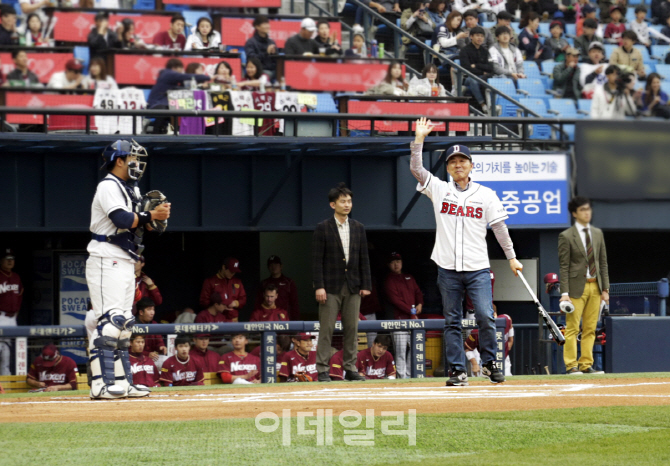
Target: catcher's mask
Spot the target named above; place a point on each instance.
(122, 149)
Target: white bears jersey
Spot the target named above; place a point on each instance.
(109, 196)
(106, 99)
(242, 100)
(461, 219)
(131, 98)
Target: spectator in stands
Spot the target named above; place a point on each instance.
(327, 42)
(303, 43)
(99, 79)
(181, 370)
(665, 31)
(529, 40)
(606, 9)
(449, 38)
(592, 73)
(204, 36)
(185, 316)
(153, 344)
(653, 101)
(628, 55)
(505, 19)
(268, 311)
(476, 59)
(207, 359)
(403, 294)
(557, 42)
(144, 283)
(358, 49)
(215, 312)
(507, 59)
(471, 21)
(102, 38)
(287, 292)
(464, 6)
(238, 366)
(614, 30)
(142, 366)
(640, 27)
(33, 36)
(255, 77)
(429, 84)
(376, 362)
(52, 372)
(174, 37)
(392, 84)
(71, 78)
(228, 286)
(416, 21)
(224, 74)
(609, 102)
(566, 76)
(126, 32)
(300, 361)
(584, 41)
(21, 75)
(29, 7)
(589, 12)
(261, 46)
(521, 8)
(660, 12)
(8, 33)
(437, 12)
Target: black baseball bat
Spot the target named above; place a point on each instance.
(553, 328)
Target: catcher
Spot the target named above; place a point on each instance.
(119, 217)
(299, 365)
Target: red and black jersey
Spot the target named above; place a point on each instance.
(11, 293)
(230, 290)
(336, 363)
(472, 342)
(265, 102)
(144, 370)
(64, 371)
(287, 295)
(268, 315)
(208, 360)
(240, 365)
(153, 343)
(206, 317)
(181, 373)
(154, 293)
(380, 368)
(295, 362)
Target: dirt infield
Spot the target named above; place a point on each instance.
(425, 397)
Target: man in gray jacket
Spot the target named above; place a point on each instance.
(507, 59)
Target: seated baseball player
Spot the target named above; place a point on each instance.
(471, 345)
(181, 370)
(268, 311)
(238, 366)
(376, 362)
(283, 347)
(299, 365)
(336, 366)
(214, 312)
(154, 345)
(207, 359)
(52, 372)
(145, 372)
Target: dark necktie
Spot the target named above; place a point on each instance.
(589, 253)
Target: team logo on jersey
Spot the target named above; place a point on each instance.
(454, 209)
(45, 376)
(148, 368)
(188, 376)
(7, 287)
(371, 372)
(114, 263)
(238, 366)
(237, 285)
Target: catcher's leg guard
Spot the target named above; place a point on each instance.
(105, 341)
(122, 370)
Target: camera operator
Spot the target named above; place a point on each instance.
(615, 98)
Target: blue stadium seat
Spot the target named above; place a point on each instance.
(544, 29)
(570, 30)
(531, 70)
(144, 5)
(664, 71)
(584, 105)
(548, 67)
(325, 103)
(659, 52)
(192, 17)
(665, 86)
(506, 86)
(538, 106)
(488, 24)
(174, 7)
(649, 69)
(533, 89)
(635, 2)
(630, 15)
(645, 54)
(563, 107)
(609, 49)
(82, 54)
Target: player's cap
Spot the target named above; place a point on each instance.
(551, 278)
(571, 51)
(477, 30)
(309, 24)
(505, 16)
(202, 335)
(73, 65)
(7, 254)
(588, 8)
(232, 264)
(395, 256)
(596, 45)
(304, 336)
(50, 355)
(274, 260)
(459, 150)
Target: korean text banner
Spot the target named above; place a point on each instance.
(534, 188)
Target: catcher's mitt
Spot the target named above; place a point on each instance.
(149, 202)
(302, 377)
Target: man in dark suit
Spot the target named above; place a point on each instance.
(341, 274)
(584, 282)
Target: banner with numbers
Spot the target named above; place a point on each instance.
(534, 188)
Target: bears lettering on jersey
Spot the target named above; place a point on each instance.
(454, 209)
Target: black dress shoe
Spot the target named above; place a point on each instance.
(324, 377)
(352, 376)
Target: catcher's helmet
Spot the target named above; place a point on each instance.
(122, 149)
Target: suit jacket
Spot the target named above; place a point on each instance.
(329, 267)
(573, 262)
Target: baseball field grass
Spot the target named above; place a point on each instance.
(613, 435)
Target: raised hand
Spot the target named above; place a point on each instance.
(423, 129)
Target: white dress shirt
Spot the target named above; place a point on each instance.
(582, 235)
(343, 229)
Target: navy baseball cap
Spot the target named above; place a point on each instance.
(458, 149)
(588, 8)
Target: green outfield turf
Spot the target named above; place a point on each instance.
(586, 436)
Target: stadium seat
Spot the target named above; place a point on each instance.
(664, 71)
(659, 52)
(83, 54)
(192, 17)
(570, 30)
(645, 54)
(538, 106)
(563, 107)
(144, 5)
(665, 86)
(584, 106)
(609, 49)
(325, 103)
(548, 67)
(630, 15)
(635, 2)
(649, 69)
(533, 89)
(531, 70)
(505, 85)
(544, 29)
(488, 24)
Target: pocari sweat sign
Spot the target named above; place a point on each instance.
(534, 188)
(73, 299)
